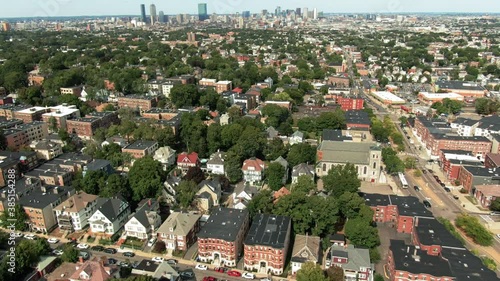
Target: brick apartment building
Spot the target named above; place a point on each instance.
(266, 245)
(7, 165)
(407, 262)
(339, 81)
(39, 206)
(160, 113)
(357, 120)
(183, 79)
(399, 211)
(435, 137)
(431, 236)
(27, 160)
(469, 177)
(52, 174)
(60, 114)
(219, 87)
(31, 114)
(451, 161)
(221, 239)
(139, 149)
(350, 103)
(85, 127)
(141, 102)
(8, 110)
(6, 100)
(22, 135)
(492, 160)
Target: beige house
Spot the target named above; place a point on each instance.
(73, 214)
(305, 249)
(179, 230)
(208, 195)
(46, 150)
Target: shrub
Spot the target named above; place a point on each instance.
(474, 229)
(159, 247)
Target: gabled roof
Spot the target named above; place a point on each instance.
(76, 202)
(217, 158)
(94, 269)
(357, 257)
(188, 158)
(306, 248)
(303, 169)
(181, 223)
(281, 161)
(109, 207)
(141, 214)
(280, 193)
(254, 164)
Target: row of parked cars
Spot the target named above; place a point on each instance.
(233, 273)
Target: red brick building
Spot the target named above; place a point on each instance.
(22, 135)
(141, 102)
(431, 236)
(470, 177)
(435, 138)
(407, 262)
(399, 211)
(267, 242)
(350, 103)
(221, 239)
(492, 160)
(31, 114)
(451, 161)
(86, 127)
(160, 113)
(141, 148)
(486, 194)
(6, 100)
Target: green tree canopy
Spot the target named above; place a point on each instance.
(146, 178)
(342, 178)
(311, 272)
(301, 153)
(274, 174)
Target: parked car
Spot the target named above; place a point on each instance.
(427, 204)
(53, 240)
(111, 251)
(187, 274)
(498, 236)
(442, 184)
(424, 171)
(17, 234)
(201, 267)
(112, 261)
(97, 248)
(72, 243)
(124, 264)
(234, 273)
(158, 259)
(416, 188)
(265, 279)
(455, 197)
(82, 246)
(57, 252)
(447, 189)
(30, 236)
(494, 213)
(84, 255)
(151, 242)
(248, 275)
(128, 254)
(209, 278)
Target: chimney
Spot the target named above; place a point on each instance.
(80, 259)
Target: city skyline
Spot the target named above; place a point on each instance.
(60, 8)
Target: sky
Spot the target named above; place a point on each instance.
(57, 8)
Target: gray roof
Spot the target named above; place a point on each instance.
(42, 197)
(141, 145)
(181, 223)
(269, 230)
(357, 257)
(346, 152)
(306, 248)
(109, 207)
(298, 134)
(303, 169)
(271, 132)
(282, 162)
(224, 223)
(217, 158)
(141, 214)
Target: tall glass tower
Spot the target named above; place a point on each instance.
(202, 11)
(152, 11)
(143, 13)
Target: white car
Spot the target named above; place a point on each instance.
(201, 267)
(247, 275)
(53, 240)
(30, 236)
(151, 242)
(158, 259)
(82, 246)
(498, 236)
(57, 252)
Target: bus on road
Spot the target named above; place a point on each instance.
(403, 181)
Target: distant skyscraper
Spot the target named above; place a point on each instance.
(245, 14)
(143, 13)
(305, 13)
(277, 12)
(161, 17)
(191, 37)
(297, 12)
(5, 26)
(152, 12)
(202, 11)
(315, 13)
(264, 13)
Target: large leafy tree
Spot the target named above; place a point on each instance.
(311, 272)
(361, 233)
(274, 149)
(70, 254)
(342, 178)
(301, 153)
(94, 181)
(335, 273)
(274, 174)
(261, 203)
(186, 192)
(146, 178)
(304, 184)
(19, 215)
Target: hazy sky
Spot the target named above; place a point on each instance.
(31, 8)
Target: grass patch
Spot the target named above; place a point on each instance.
(451, 228)
(105, 242)
(90, 239)
(489, 263)
(471, 199)
(178, 253)
(133, 243)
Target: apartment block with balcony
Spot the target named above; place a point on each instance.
(73, 214)
(266, 244)
(220, 240)
(179, 230)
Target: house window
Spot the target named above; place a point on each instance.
(324, 167)
(365, 169)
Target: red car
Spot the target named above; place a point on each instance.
(234, 273)
(209, 278)
(219, 269)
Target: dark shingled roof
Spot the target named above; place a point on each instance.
(410, 259)
(467, 267)
(269, 230)
(224, 223)
(431, 232)
(407, 205)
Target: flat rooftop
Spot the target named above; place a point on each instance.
(224, 223)
(269, 230)
(384, 95)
